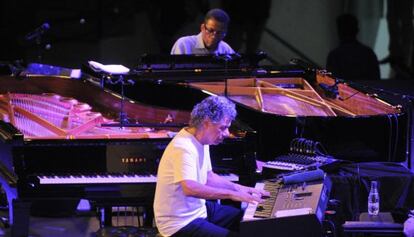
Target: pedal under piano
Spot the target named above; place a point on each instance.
(54, 145)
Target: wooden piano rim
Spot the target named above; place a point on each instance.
(310, 98)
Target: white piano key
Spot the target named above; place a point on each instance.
(251, 208)
(99, 179)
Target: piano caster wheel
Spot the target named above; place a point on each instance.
(5, 222)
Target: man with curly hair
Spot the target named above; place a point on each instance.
(185, 180)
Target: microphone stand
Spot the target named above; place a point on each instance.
(123, 116)
(39, 49)
(225, 58)
(37, 37)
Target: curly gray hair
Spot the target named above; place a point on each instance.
(214, 108)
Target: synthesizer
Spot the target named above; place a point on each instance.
(288, 207)
(303, 155)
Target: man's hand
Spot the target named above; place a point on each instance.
(248, 194)
(246, 197)
(251, 190)
(409, 227)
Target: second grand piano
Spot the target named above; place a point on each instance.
(53, 145)
(352, 121)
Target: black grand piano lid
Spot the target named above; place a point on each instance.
(356, 125)
(353, 125)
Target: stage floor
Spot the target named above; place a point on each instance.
(81, 223)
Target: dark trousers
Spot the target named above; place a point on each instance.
(221, 221)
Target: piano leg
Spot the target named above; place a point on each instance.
(21, 218)
(105, 216)
(11, 194)
(149, 216)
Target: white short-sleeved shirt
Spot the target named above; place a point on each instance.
(183, 159)
(194, 44)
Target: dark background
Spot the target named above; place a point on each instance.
(78, 27)
(116, 32)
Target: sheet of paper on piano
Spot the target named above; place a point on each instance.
(115, 69)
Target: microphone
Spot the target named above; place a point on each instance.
(305, 176)
(37, 32)
(228, 57)
(330, 91)
(236, 55)
(223, 57)
(304, 65)
(261, 54)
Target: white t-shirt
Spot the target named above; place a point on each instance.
(183, 159)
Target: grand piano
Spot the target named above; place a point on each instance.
(353, 122)
(62, 139)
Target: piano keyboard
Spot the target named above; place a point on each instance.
(296, 162)
(290, 200)
(263, 210)
(292, 210)
(110, 178)
(251, 208)
(291, 162)
(97, 179)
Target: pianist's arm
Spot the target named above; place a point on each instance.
(217, 181)
(220, 188)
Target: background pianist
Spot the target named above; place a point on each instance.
(210, 39)
(185, 179)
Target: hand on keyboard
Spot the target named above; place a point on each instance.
(246, 197)
(409, 227)
(252, 191)
(260, 193)
(250, 195)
